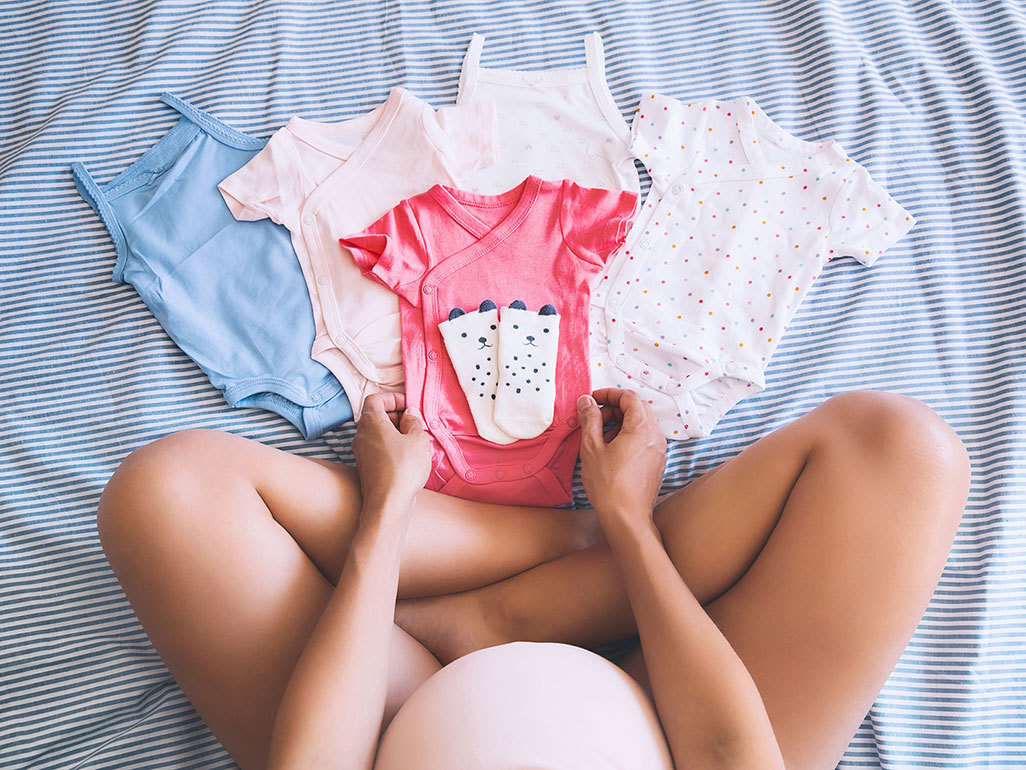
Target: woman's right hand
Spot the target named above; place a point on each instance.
(622, 469)
(393, 453)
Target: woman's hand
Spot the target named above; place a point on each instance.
(622, 469)
(332, 710)
(393, 454)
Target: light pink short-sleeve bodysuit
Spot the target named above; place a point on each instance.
(323, 180)
(542, 243)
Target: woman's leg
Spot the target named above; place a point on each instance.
(228, 550)
(815, 551)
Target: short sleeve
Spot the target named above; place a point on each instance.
(864, 220)
(269, 186)
(665, 135)
(392, 252)
(595, 221)
(464, 134)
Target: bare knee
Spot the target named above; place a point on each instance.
(887, 423)
(894, 434)
(152, 481)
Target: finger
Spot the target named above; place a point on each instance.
(612, 397)
(611, 418)
(610, 414)
(373, 408)
(376, 410)
(411, 423)
(635, 411)
(591, 421)
(390, 402)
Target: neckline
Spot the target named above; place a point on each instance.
(533, 78)
(756, 126)
(592, 74)
(457, 205)
(313, 132)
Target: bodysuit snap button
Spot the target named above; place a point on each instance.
(571, 421)
(429, 289)
(308, 220)
(500, 474)
(434, 424)
(322, 280)
(433, 355)
(645, 243)
(677, 189)
(621, 360)
(527, 467)
(731, 366)
(471, 474)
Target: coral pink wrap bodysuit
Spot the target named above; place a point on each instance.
(543, 243)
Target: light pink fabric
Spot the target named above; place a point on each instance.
(526, 706)
(543, 243)
(323, 180)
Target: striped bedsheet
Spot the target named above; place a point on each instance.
(928, 95)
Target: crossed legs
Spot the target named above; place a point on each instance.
(814, 550)
(228, 551)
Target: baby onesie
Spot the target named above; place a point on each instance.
(210, 279)
(542, 242)
(741, 218)
(323, 180)
(556, 124)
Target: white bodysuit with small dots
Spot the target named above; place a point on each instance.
(741, 218)
(555, 124)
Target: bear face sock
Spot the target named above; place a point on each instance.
(471, 339)
(528, 347)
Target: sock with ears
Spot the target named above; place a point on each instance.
(528, 347)
(471, 339)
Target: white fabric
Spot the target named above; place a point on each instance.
(472, 342)
(526, 706)
(741, 218)
(555, 124)
(526, 394)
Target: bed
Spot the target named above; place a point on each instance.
(928, 95)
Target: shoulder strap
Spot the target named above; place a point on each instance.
(595, 55)
(468, 75)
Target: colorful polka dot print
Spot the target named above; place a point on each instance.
(741, 219)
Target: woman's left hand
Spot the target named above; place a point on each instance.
(393, 453)
(622, 470)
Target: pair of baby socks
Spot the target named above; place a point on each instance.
(506, 367)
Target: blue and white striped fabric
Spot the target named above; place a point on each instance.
(927, 94)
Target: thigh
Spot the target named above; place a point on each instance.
(225, 593)
(451, 544)
(829, 602)
(713, 529)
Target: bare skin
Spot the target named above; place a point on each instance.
(333, 708)
(708, 704)
(814, 552)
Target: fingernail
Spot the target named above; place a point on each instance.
(413, 411)
(584, 402)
